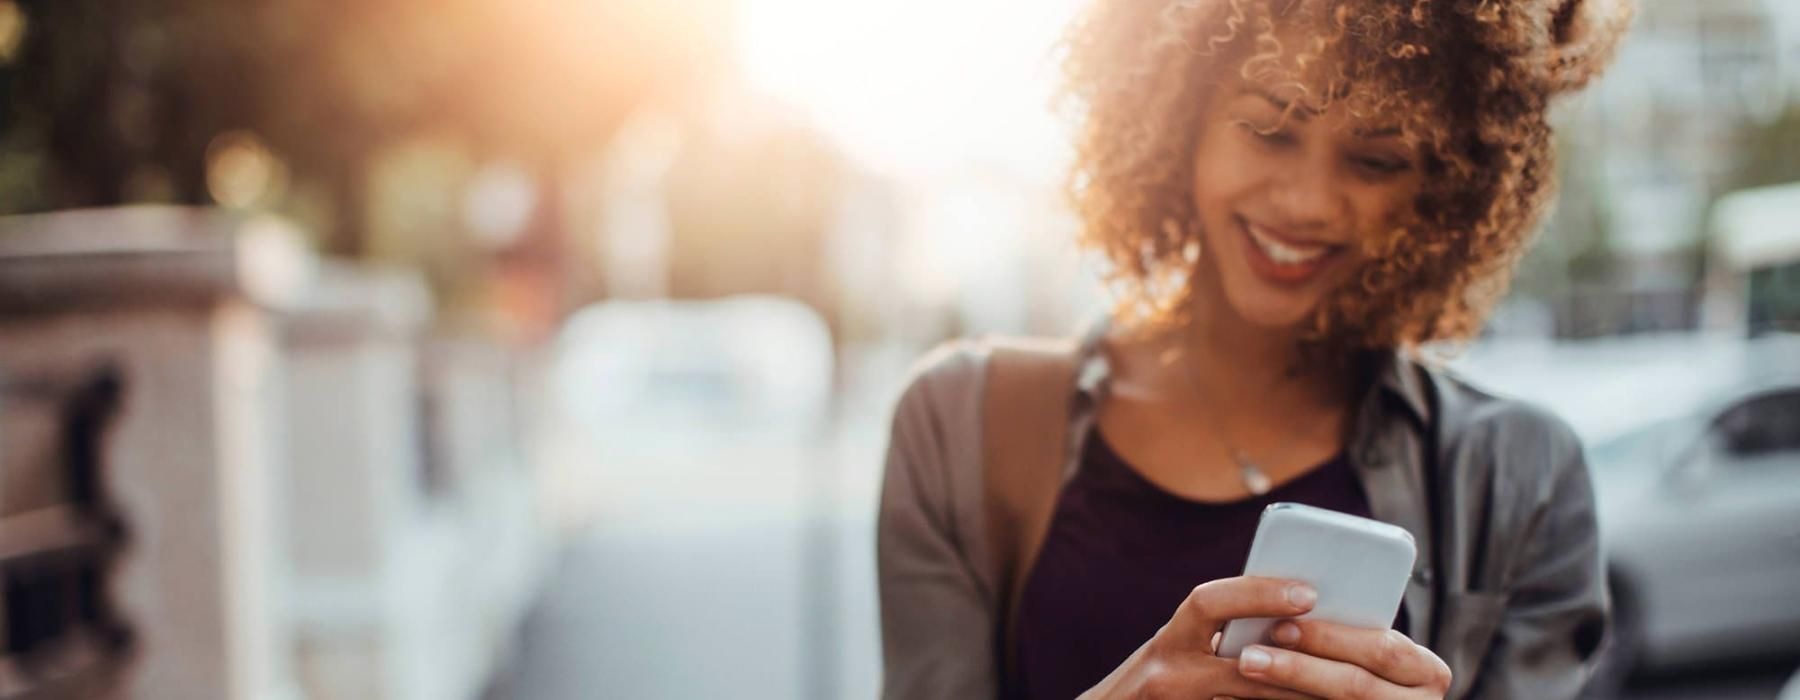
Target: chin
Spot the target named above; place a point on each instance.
(1274, 312)
(1265, 305)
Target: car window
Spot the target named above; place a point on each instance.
(1764, 426)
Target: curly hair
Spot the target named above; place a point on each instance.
(1470, 79)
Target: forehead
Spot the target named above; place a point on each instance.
(1341, 114)
(1296, 65)
(1355, 53)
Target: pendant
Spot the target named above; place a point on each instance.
(1253, 477)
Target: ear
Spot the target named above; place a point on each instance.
(1585, 35)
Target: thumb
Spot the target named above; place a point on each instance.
(1211, 604)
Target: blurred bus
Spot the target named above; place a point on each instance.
(1756, 253)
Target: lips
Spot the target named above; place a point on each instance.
(1284, 260)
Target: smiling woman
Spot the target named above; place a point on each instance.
(1293, 195)
(1461, 85)
(1291, 188)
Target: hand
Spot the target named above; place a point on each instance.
(1179, 663)
(1335, 661)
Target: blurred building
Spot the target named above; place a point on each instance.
(1753, 276)
(731, 192)
(228, 471)
(1650, 148)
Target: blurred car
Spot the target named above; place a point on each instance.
(662, 401)
(1694, 445)
(753, 364)
(1700, 518)
(702, 427)
(1790, 691)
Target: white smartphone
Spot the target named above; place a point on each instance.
(1359, 567)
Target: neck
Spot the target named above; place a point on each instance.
(1261, 370)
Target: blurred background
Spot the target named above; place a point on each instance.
(472, 349)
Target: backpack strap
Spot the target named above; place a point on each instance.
(1025, 417)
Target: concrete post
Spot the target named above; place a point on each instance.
(178, 300)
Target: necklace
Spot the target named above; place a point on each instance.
(1255, 480)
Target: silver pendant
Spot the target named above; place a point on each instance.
(1253, 477)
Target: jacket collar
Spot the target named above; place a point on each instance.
(1399, 375)
(1395, 373)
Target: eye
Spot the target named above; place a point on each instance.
(1380, 166)
(1270, 136)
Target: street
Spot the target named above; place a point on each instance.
(701, 577)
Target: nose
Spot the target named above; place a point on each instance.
(1309, 196)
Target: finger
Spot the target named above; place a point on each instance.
(1212, 603)
(1311, 674)
(1222, 676)
(1386, 653)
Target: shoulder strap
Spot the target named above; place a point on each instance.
(1025, 413)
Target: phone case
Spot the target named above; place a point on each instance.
(1359, 567)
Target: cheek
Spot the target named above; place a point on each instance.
(1379, 218)
(1223, 171)
(1381, 209)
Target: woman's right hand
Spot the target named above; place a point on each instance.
(1179, 663)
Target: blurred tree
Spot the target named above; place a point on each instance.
(117, 101)
(1573, 247)
(1769, 152)
(752, 198)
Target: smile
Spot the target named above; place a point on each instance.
(1285, 252)
(1285, 261)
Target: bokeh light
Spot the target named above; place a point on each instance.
(915, 86)
(498, 205)
(12, 29)
(240, 169)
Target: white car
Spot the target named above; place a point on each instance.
(701, 427)
(1694, 445)
(754, 366)
(1790, 691)
(1700, 519)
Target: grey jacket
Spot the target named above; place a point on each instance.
(1508, 587)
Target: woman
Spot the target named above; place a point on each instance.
(1294, 195)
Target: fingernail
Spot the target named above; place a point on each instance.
(1254, 659)
(1286, 633)
(1302, 595)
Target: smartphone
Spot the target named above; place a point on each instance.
(1359, 567)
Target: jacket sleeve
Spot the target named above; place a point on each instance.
(1557, 605)
(937, 634)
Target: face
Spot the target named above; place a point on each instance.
(1284, 204)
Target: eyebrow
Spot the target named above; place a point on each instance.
(1381, 133)
(1284, 105)
(1305, 113)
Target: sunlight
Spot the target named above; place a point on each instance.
(919, 85)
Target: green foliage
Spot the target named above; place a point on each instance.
(117, 101)
(1770, 151)
(1573, 247)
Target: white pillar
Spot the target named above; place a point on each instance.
(177, 299)
(356, 496)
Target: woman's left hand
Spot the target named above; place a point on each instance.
(1334, 661)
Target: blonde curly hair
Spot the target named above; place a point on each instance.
(1471, 80)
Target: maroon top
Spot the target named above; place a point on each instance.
(1120, 555)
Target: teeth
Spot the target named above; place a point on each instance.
(1284, 253)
